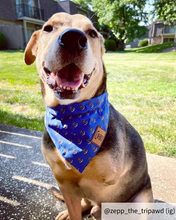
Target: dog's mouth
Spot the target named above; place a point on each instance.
(67, 81)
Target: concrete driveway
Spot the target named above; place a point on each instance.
(25, 177)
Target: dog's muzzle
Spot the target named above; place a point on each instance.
(69, 80)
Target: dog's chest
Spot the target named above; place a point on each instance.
(100, 175)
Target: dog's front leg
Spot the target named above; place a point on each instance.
(73, 203)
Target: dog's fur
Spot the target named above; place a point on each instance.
(118, 173)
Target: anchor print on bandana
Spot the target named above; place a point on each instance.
(78, 130)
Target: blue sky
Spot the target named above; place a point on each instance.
(148, 8)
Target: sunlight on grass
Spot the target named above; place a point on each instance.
(142, 87)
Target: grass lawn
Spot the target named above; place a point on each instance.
(142, 86)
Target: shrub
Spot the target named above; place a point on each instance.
(110, 45)
(143, 43)
(106, 44)
(2, 41)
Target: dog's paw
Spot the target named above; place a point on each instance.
(96, 212)
(63, 216)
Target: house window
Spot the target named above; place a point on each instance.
(168, 40)
(26, 2)
(171, 39)
(25, 8)
(169, 29)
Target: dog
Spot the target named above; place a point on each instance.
(68, 51)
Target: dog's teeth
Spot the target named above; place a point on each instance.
(60, 86)
(82, 84)
(64, 87)
(68, 88)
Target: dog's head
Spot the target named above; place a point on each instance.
(68, 52)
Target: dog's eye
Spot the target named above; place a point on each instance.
(93, 33)
(48, 28)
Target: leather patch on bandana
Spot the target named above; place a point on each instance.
(99, 136)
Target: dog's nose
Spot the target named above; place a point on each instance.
(73, 40)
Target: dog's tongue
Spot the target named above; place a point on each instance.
(69, 76)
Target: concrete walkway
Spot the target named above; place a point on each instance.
(162, 171)
(25, 178)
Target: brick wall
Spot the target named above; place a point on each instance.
(8, 10)
(13, 36)
(156, 40)
(7, 23)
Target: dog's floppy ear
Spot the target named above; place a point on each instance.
(31, 49)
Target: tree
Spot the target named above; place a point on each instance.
(123, 17)
(84, 3)
(166, 11)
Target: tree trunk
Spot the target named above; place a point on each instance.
(122, 45)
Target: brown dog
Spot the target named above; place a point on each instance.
(68, 52)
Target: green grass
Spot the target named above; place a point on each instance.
(21, 102)
(141, 86)
(151, 49)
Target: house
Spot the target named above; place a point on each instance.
(158, 33)
(20, 18)
(162, 33)
(134, 43)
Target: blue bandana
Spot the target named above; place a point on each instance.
(78, 129)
